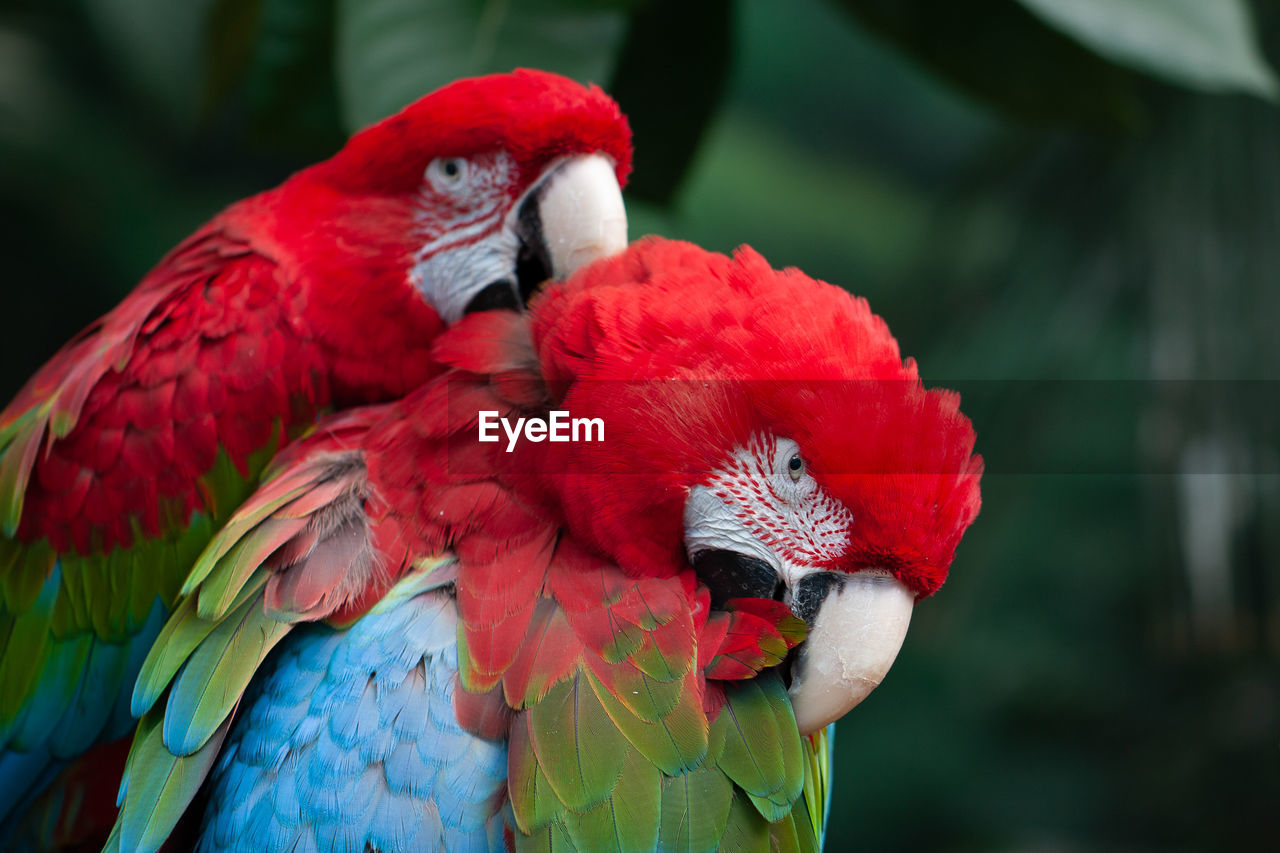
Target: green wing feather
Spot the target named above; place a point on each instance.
(180, 637)
(762, 753)
(176, 743)
(695, 810)
(217, 638)
(26, 638)
(621, 754)
(583, 767)
(674, 742)
(70, 623)
(628, 818)
(159, 785)
(745, 830)
(216, 674)
(817, 779)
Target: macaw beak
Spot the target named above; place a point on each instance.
(583, 217)
(857, 623)
(572, 215)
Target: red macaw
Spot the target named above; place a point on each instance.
(125, 453)
(549, 644)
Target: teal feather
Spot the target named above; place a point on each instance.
(63, 664)
(161, 785)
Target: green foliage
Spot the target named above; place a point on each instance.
(669, 81)
(390, 52)
(1207, 45)
(280, 53)
(1001, 54)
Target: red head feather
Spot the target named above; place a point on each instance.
(535, 116)
(687, 355)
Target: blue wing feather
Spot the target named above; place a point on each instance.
(348, 738)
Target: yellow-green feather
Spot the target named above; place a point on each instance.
(762, 752)
(627, 820)
(816, 792)
(695, 810)
(216, 674)
(19, 440)
(577, 746)
(228, 575)
(23, 571)
(179, 638)
(675, 742)
(533, 803)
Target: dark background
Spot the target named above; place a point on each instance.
(1068, 210)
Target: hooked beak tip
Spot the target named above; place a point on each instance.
(854, 638)
(583, 217)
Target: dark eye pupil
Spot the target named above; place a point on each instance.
(451, 168)
(795, 463)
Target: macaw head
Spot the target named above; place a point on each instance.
(761, 427)
(474, 194)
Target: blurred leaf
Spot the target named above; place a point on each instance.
(391, 52)
(281, 53)
(230, 34)
(156, 45)
(923, 128)
(844, 220)
(669, 81)
(1002, 54)
(1205, 44)
(293, 87)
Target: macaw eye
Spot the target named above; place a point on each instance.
(446, 174)
(795, 467)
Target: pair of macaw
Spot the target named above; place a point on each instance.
(249, 514)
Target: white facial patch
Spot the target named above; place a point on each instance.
(760, 504)
(709, 525)
(465, 244)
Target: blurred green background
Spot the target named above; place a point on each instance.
(1067, 209)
